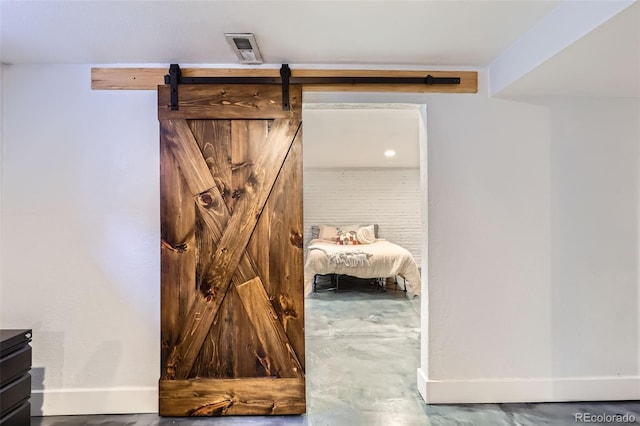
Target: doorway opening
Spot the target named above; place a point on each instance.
(354, 338)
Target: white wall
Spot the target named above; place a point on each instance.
(80, 253)
(488, 309)
(522, 283)
(532, 286)
(594, 237)
(533, 251)
(388, 197)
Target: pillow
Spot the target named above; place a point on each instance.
(329, 233)
(348, 228)
(347, 238)
(366, 235)
(315, 232)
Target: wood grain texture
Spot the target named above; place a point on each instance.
(205, 101)
(286, 240)
(178, 136)
(232, 243)
(214, 140)
(219, 356)
(151, 78)
(281, 359)
(246, 139)
(177, 251)
(283, 231)
(259, 396)
(235, 179)
(212, 219)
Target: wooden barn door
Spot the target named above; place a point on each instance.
(232, 315)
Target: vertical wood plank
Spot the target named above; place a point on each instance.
(248, 354)
(257, 248)
(240, 159)
(231, 349)
(214, 139)
(286, 264)
(177, 252)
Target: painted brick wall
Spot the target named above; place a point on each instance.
(388, 197)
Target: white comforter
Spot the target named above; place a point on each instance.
(380, 259)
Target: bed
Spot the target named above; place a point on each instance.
(376, 258)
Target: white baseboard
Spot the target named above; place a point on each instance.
(58, 402)
(528, 390)
(422, 384)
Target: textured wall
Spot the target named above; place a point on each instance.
(80, 260)
(80, 242)
(388, 197)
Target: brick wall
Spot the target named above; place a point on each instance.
(388, 197)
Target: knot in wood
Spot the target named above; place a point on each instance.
(290, 313)
(171, 371)
(211, 294)
(296, 239)
(207, 200)
(252, 180)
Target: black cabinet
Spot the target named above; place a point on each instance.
(15, 380)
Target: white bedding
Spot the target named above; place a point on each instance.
(378, 260)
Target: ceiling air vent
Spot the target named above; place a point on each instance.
(245, 46)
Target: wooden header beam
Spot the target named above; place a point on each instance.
(151, 78)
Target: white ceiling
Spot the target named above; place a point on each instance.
(394, 33)
(444, 32)
(350, 136)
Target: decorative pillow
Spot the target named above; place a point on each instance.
(329, 233)
(348, 228)
(347, 238)
(315, 232)
(366, 235)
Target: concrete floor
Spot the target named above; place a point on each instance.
(363, 350)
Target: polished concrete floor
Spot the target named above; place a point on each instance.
(362, 354)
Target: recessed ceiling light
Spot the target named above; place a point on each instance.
(389, 153)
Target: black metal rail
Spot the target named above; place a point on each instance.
(174, 78)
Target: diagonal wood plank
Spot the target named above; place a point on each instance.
(232, 244)
(281, 279)
(210, 202)
(256, 302)
(188, 155)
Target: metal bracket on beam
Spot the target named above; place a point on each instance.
(174, 78)
(285, 74)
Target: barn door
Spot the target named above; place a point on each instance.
(232, 316)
